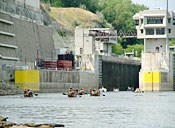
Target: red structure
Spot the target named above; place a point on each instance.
(50, 65)
(65, 61)
(64, 64)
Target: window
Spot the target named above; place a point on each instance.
(169, 30)
(160, 31)
(154, 20)
(149, 31)
(141, 21)
(141, 31)
(169, 20)
(81, 50)
(136, 22)
(173, 21)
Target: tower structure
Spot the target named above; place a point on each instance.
(90, 42)
(156, 27)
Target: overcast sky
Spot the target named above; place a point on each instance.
(157, 4)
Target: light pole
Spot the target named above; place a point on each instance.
(167, 42)
(167, 5)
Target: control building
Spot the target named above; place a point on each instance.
(90, 42)
(156, 27)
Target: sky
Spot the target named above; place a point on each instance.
(157, 4)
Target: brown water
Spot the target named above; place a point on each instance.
(114, 110)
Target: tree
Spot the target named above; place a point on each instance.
(91, 5)
(120, 12)
(56, 3)
(137, 49)
(53, 3)
(117, 49)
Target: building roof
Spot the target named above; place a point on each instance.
(154, 12)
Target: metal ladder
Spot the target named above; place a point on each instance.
(100, 75)
(173, 71)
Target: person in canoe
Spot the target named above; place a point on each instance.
(28, 93)
(95, 92)
(72, 93)
(81, 91)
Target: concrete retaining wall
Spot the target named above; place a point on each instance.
(31, 39)
(24, 11)
(61, 81)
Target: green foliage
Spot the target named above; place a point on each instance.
(119, 13)
(130, 41)
(56, 3)
(117, 49)
(172, 42)
(61, 33)
(45, 1)
(53, 3)
(75, 23)
(137, 49)
(83, 6)
(91, 5)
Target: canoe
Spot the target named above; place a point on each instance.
(95, 93)
(28, 93)
(103, 89)
(71, 94)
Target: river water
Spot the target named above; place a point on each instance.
(114, 110)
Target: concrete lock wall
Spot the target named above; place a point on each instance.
(119, 73)
(27, 79)
(88, 80)
(155, 81)
(151, 81)
(61, 81)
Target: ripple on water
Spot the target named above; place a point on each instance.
(122, 109)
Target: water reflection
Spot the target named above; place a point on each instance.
(119, 109)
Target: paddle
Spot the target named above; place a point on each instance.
(36, 94)
(64, 93)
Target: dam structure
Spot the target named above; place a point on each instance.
(26, 38)
(156, 27)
